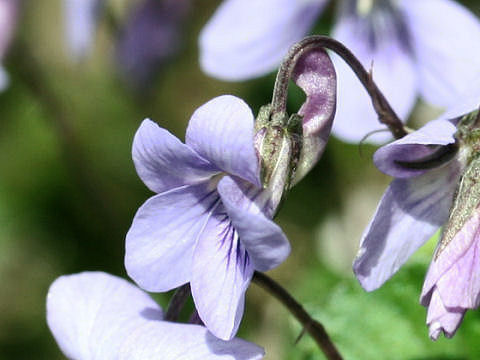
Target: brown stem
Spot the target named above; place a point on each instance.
(177, 302)
(386, 114)
(313, 327)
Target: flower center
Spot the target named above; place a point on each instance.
(380, 22)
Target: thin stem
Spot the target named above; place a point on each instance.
(386, 114)
(313, 327)
(177, 302)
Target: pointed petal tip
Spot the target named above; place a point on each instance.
(366, 282)
(434, 330)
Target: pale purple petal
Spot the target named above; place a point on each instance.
(246, 39)
(426, 146)
(454, 269)
(163, 162)
(97, 316)
(266, 244)
(315, 75)
(440, 319)
(164, 340)
(151, 35)
(80, 17)
(8, 20)
(444, 37)
(393, 71)
(467, 102)
(409, 213)
(221, 274)
(221, 131)
(80, 308)
(162, 238)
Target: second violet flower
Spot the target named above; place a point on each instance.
(427, 48)
(436, 170)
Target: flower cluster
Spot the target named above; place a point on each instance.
(209, 224)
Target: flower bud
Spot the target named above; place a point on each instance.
(278, 144)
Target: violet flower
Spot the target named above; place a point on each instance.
(80, 18)
(94, 315)
(8, 19)
(435, 170)
(210, 222)
(150, 37)
(409, 44)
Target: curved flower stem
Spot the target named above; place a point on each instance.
(313, 327)
(177, 302)
(386, 114)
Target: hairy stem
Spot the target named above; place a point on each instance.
(313, 327)
(386, 114)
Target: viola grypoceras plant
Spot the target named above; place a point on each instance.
(210, 223)
(437, 174)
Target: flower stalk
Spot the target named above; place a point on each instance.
(311, 326)
(386, 114)
(177, 302)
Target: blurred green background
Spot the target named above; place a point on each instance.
(68, 193)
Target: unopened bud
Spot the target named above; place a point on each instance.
(278, 144)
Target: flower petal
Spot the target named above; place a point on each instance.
(454, 270)
(162, 238)
(80, 309)
(221, 131)
(97, 316)
(164, 340)
(426, 145)
(266, 244)
(444, 37)
(409, 213)
(150, 36)
(468, 102)
(80, 18)
(393, 71)
(242, 40)
(8, 20)
(440, 319)
(220, 276)
(315, 75)
(163, 162)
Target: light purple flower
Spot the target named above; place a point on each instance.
(94, 315)
(428, 165)
(80, 18)
(209, 223)
(426, 47)
(8, 19)
(150, 37)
